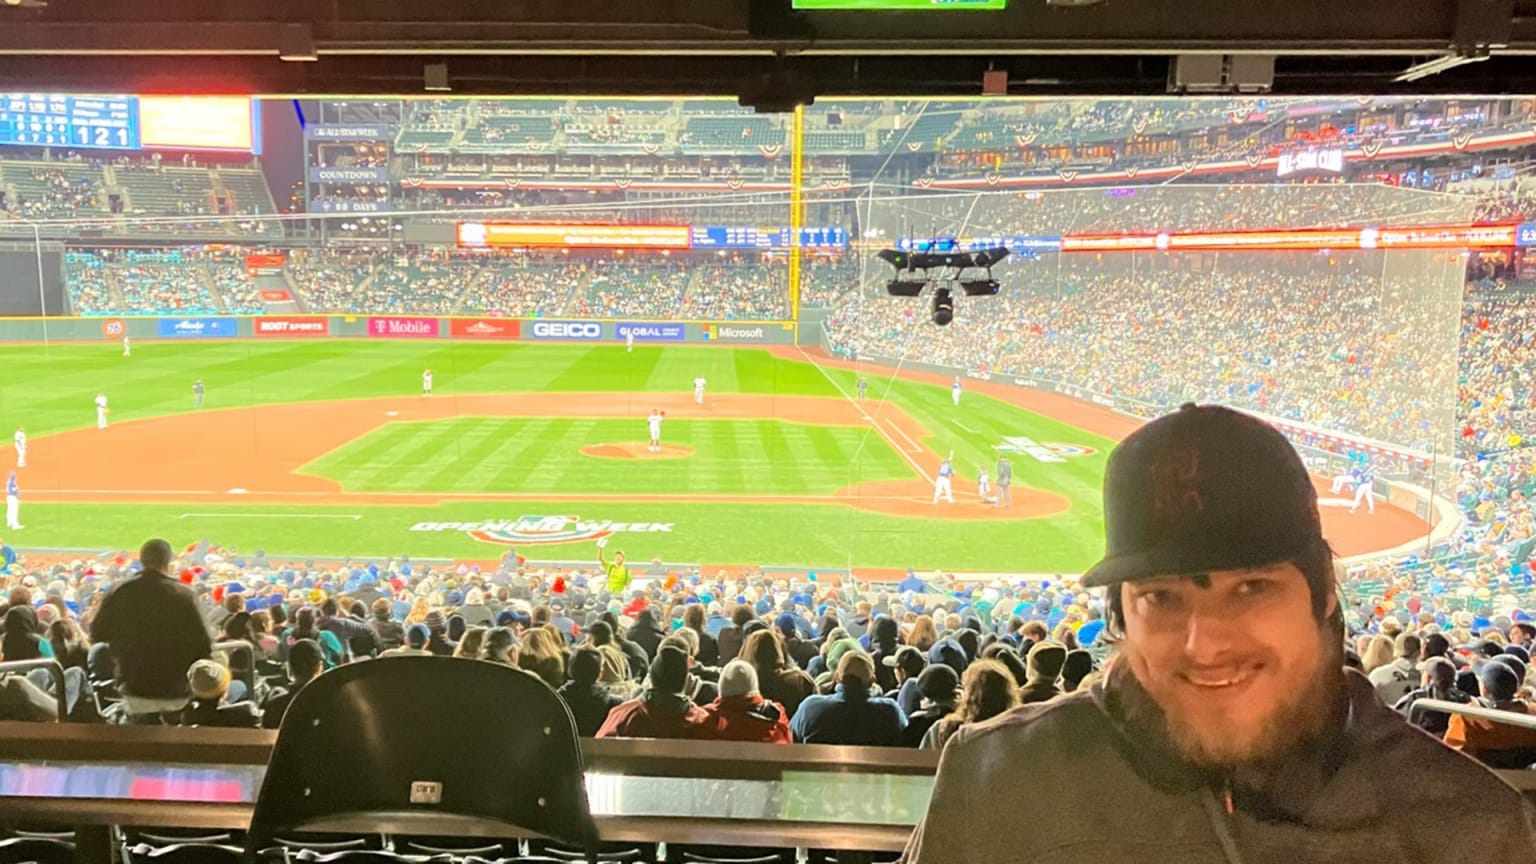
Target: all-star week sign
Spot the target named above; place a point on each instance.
(544, 530)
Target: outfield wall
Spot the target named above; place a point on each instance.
(575, 330)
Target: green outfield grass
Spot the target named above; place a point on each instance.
(49, 389)
(498, 454)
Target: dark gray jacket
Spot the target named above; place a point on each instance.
(1060, 782)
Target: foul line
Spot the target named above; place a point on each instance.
(963, 426)
(354, 517)
(915, 447)
(879, 431)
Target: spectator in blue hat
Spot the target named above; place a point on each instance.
(800, 651)
(416, 638)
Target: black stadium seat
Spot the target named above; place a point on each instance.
(404, 737)
(184, 853)
(19, 850)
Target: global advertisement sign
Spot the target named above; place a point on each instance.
(544, 530)
(570, 331)
(484, 328)
(346, 132)
(349, 175)
(733, 333)
(197, 328)
(403, 328)
(650, 332)
(291, 327)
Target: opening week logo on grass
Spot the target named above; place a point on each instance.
(544, 530)
(1050, 451)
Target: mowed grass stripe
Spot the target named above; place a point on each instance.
(544, 454)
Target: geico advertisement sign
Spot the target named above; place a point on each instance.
(582, 331)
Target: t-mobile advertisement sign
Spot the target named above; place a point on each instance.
(403, 328)
(571, 331)
(292, 327)
(650, 332)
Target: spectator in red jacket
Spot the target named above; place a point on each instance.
(741, 713)
(663, 709)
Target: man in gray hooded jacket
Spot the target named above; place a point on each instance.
(1226, 730)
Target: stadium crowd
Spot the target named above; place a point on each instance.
(651, 652)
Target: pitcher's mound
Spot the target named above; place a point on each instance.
(636, 450)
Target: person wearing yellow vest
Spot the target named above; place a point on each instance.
(619, 577)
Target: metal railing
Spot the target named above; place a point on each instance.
(1493, 715)
(55, 672)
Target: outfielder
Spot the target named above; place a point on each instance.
(863, 387)
(12, 503)
(698, 390)
(954, 391)
(654, 420)
(127, 348)
(101, 410)
(942, 484)
(21, 447)
(629, 340)
(197, 392)
(1364, 482)
(1004, 482)
(426, 383)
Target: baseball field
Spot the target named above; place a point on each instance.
(328, 448)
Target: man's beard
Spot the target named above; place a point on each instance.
(1295, 724)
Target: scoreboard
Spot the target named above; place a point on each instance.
(122, 122)
(53, 120)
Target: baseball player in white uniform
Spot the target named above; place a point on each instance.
(954, 391)
(983, 487)
(21, 447)
(942, 487)
(629, 340)
(1342, 481)
(101, 410)
(426, 383)
(1364, 491)
(127, 348)
(698, 390)
(654, 421)
(12, 503)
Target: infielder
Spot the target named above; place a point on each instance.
(426, 383)
(954, 391)
(197, 392)
(942, 484)
(1364, 491)
(698, 390)
(21, 447)
(654, 420)
(1004, 482)
(101, 410)
(12, 503)
(983, 489)
(127, 348)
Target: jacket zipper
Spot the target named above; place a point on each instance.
(1220, 815)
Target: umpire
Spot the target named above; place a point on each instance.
(1004, 482)
(1226, 729)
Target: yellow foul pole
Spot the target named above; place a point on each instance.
(796, 210)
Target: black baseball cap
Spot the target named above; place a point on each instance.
(1204, 488)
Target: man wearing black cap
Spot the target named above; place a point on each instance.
(663, 709)
(1225, 729)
